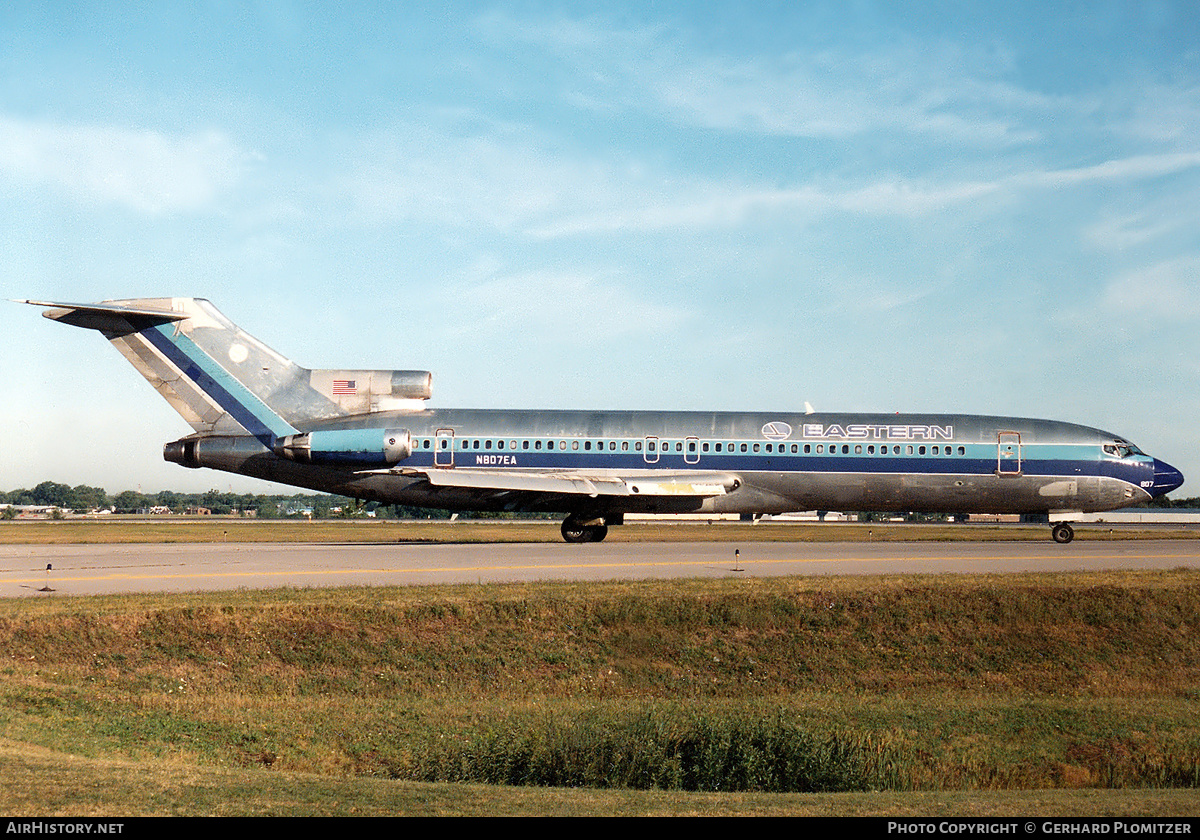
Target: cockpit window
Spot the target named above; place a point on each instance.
(1121, 449)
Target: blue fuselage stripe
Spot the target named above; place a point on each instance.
(1032, 463)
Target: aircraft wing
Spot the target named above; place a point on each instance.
(575, 483)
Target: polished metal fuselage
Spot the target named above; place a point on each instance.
(777, 462)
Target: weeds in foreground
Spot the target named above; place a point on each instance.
(765, 684)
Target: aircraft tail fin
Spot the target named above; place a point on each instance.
(223, 380)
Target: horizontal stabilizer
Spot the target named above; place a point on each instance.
(106, 317)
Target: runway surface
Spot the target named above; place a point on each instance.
(101, 569)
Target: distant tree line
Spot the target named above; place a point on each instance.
(85, 499)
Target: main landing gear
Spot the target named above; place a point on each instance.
(1062, 532)
(578, 530)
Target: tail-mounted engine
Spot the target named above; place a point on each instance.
(368, 391)
(356, 447)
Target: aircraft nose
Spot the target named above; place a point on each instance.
(1166, 478)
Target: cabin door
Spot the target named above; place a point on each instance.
(443, 448)
(650, 453)
(1008, 453)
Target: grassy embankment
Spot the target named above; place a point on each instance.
(1072, 693)
(121, 529)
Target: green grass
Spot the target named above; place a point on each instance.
(184, 529)
(913, 686)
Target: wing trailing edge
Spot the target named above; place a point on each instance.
(698, 485)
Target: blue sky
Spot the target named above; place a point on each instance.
(865, 206)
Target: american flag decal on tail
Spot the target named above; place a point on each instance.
(344, 387)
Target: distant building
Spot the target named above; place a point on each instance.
(813, 516)
(1137, 516)
(680, 517)
(35, 511)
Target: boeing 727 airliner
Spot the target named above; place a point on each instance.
(367, 434)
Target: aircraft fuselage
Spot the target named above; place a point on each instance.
(766, 462)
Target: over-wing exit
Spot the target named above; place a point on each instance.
(368, 434)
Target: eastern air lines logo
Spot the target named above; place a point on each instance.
(776, 430)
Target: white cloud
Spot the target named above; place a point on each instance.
(1134, 167)
(940, 92)
(413, 173)
(1168, 291)
(1131, 230)
(702, 205)
(554, 305)
(146, 171)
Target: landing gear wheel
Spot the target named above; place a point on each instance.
(575, 532)
(1062, 533)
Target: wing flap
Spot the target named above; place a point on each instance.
(670, 484)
